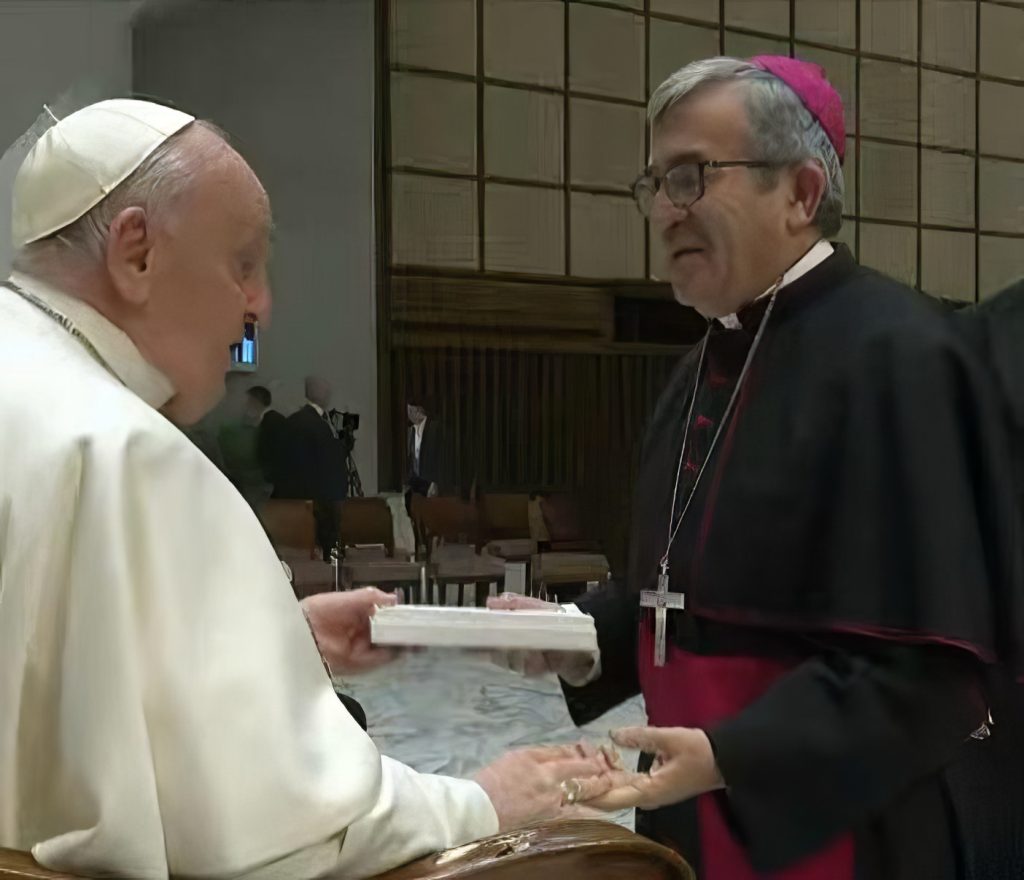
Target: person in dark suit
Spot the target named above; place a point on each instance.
(270, 432)
(425, 447)
(987, 784)
(315, 462)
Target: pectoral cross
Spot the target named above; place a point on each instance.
(661, 600)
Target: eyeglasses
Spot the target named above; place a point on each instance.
(684, 184)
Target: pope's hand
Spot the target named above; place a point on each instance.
(341, 625)
(530, 785)
(573, 666)
(684, 767)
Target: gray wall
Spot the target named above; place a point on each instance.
(64, 53)
(292, 82)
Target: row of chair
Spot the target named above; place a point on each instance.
(545, 532)
(459, 542)
(552, 521)
(291, 525)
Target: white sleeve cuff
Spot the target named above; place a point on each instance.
(415, 814)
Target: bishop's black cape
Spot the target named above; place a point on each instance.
(849, 570)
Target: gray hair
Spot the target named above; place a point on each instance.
(782, 129)
(154, 186)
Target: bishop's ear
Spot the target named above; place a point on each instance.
(808, 189)
(129, 253)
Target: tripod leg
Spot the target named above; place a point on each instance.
(355, 484)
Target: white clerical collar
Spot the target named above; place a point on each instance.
(319, 409)
(114, 345)
(817, 254)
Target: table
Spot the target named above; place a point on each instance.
(459, 564)
(411, 578)
(552, 569)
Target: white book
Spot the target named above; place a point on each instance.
(443, 627)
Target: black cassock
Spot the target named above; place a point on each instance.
(850, 579)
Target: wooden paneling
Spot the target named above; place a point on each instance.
(468, 304)
(495, 340)
(450, 311)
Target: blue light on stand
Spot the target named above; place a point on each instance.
(245, 355)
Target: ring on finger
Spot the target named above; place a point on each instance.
(571, 791)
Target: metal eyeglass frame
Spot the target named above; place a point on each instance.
(645, 188)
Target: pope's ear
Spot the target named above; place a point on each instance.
(128, 253)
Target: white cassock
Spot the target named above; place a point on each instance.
(163, 707)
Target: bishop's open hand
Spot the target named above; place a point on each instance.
(684, 767)
(341, 626)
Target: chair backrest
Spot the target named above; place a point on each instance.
(366, 521)
(562, 518)
(538, 530)
(290, 526)
(445, 520)
(366, 553)
(504, 516)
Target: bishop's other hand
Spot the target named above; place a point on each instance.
(574, 667)
(341, 627)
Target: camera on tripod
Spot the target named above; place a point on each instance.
(346, 424)
(349, 422)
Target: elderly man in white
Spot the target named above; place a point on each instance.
(164, 710)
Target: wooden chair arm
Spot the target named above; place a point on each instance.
(576, 849)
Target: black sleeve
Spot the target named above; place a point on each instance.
(355, 708)
(986, 788)
(837, 738)
(616, 619)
